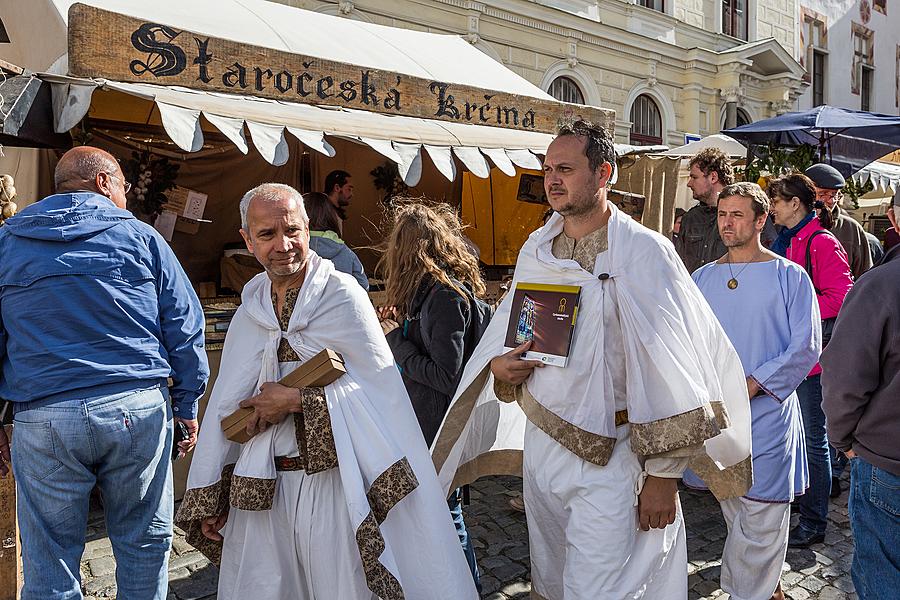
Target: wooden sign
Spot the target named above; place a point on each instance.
(121, 48)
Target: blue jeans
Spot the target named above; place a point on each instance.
(455, 504)
(875, 520)
(122, 443)
(814, 503)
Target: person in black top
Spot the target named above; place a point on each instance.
(433, 320)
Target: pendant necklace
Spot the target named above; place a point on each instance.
(733, 282)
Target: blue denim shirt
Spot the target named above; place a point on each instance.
(94, 302)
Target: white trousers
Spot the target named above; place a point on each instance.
(304, 548)
(755, 548)
(583, 529)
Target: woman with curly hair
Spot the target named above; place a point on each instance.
(805, 239)
(433, 322)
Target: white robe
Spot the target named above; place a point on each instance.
(331, 535)
(679, 363)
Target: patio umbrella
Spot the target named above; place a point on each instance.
(724, 143)
(846, 139)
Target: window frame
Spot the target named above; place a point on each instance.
(643, 138)
(566, 79)
(818, 76)
(647, 4)
(730, 15)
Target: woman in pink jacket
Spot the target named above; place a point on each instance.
(805, 239)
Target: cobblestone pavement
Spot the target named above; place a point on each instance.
(501, 541)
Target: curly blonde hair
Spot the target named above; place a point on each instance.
(426, 239)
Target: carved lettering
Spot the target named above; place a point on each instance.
(235, 75)
(470, 110)
(284, 82)
(164, 59)
(446, 102)
(528, 119)
(507, 110)
(368, 90)
(203, 59)
(323, 85)
(393, 97)
(258, 79)
(484, 107)
(348, 91)
(304, 77)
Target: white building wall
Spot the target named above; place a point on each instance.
(839, 16)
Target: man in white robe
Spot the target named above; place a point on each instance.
(767, 306)
(651, 381)
(335, 497)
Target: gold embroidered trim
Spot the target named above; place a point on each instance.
(456, 419)
(199, 504)
(583, 251)
(721, 413)
(589, 446)
(389, 488)
(371, 544)
(286, 353)
(685, 429)
(252, 493)
(495, 462)
(319, 451)
(507, 392)
(731, 482)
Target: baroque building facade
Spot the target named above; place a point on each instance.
(669, 68)
(851, 52)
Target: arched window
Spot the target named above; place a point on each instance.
(646, 124)
(566, 90)
(742, 117)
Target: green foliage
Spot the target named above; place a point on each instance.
(387, 178)
(776, 160)
(853, 191)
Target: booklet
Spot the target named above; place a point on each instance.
(544, 314)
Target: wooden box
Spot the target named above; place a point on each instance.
(320, 370)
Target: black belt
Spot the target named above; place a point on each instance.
(289, 463)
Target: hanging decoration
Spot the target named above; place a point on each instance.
(152, 176)
(8, 206)
(387, 178)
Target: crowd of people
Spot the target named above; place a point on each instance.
(729, 360)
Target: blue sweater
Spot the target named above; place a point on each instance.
(94, 302)
(328, 245)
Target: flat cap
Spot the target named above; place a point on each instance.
(826, 177)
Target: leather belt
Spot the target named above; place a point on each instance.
(289, 463)
(621, 418)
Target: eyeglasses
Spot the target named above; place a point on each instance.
(125, 184)
(828, 194)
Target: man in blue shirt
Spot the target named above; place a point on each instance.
(95, 314)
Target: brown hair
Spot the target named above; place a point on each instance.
(426, 239)
(323, 216)
(797, 185)
(598, 146)
(758, 199)
(711, 160)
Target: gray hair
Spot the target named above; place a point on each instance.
(270, 192)
(85, 165)
(758, 199)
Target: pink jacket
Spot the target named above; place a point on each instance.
(830, 269)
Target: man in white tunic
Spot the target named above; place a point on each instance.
(335, 497)
(651, 382)
(767, 306)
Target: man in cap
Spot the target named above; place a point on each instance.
(829, 185)
(860, 385)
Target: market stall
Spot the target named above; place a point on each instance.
(202, 101)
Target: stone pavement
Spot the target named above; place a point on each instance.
(501, 541)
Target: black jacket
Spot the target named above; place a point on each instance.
(432, 353)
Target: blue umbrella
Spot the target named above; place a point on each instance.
(846, 139)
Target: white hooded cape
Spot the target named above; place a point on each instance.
(406, 538)
(684, 380)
